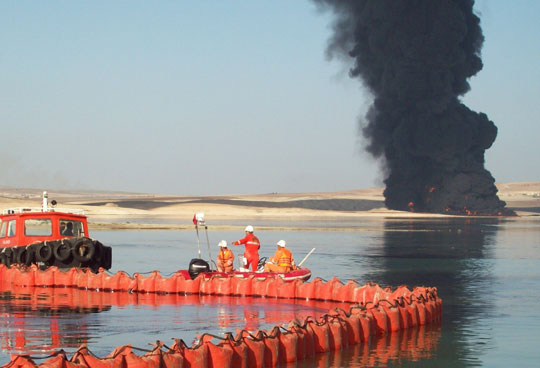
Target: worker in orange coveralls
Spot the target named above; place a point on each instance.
(282, 261)
(251, 254)
(225, 258)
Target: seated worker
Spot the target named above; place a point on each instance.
(225, 258)
(282, 261)
(68, 231)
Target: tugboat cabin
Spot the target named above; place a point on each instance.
(24, 226)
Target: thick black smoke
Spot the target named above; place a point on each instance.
(415, 56)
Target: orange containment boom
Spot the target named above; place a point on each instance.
(376, 311)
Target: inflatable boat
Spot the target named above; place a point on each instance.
(201, 267)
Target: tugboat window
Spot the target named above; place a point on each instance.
(11, 228)
(37, 227)
(71, 227)
(3, 229)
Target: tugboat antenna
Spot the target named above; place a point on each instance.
(45, 202)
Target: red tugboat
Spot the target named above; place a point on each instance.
(48, 236)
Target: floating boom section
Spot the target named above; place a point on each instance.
(375, 312)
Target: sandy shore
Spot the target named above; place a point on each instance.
(122, 210)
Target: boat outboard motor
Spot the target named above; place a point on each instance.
(197, 266)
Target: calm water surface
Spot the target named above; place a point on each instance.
(487, 273)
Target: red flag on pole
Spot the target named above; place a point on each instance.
(195, 219)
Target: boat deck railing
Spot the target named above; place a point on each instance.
(11, 211)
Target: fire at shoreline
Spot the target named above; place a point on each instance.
(460, 211)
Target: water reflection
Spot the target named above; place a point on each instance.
(413, 345)
(40, 320)
(31, 324)
(457, 257)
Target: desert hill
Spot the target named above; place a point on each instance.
(123, 207)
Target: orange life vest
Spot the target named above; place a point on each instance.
(283, 257)
(225, 256)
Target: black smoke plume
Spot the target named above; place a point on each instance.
(415, 57)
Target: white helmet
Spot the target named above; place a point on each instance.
(249, 228)
(281, 243)
(222, 244)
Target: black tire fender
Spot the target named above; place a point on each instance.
(25, 256)
(9, 254)
(62, 250)
(4, 260)
(44, 252)
(106, 258)
(30, 255)
(83, 250)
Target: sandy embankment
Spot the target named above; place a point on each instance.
(120, 210)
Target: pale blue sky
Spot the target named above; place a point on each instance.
(221, 97)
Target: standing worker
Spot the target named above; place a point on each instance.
(225, 258)
(282, 261)
(251, 253)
